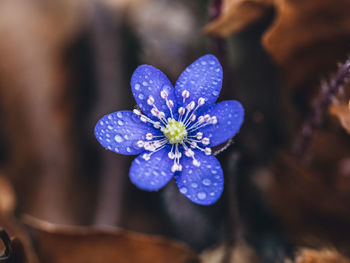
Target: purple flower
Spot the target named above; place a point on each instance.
(174, 130)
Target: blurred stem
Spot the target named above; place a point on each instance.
(219, 46)
(109, 78)
(327, 93)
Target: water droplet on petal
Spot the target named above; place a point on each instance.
(215, 93)
(194, 185)
(201, 195)
(118, 138)
(137, 86)
(119, 114)
(206, 182)
(128, 149)
(141, 96)
(183, 190)
(126, 137)
(120, 122)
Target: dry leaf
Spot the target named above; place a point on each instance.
(240, 253)
(306, 38)
(326, 255)
(342, 112)
(64, 244)
(237, 15)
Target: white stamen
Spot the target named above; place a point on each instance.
(196, 163)
(176, 167)
(205, 141)
(181, 111)
(137, 112)
(200, 119)
(157, 125)
(193, 118)
(189, 152)
(170, 104)
(199, 135)
(185, 94)
(191, 106)
(171, 155)
(164, 94)
(193, 144)
(146, 156)
(201, 101)
(140, 144)
(161, 115)
(206, 118)
(150, 100)
(178, 154)
(213, 120)
(154, 112)
(143, 118)
(149, 136)
(207, 151)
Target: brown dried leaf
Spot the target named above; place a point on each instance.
(65, 244)
(342, 112)
(240, 253)
(306, 38)
(7, 197)
(311, 200)
(307, 255)
(237, 15)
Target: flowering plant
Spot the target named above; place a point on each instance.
(174, 128)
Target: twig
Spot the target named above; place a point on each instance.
(327, 93)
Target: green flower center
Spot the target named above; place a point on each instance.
(175, 131)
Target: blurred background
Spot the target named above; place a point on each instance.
(64, 64)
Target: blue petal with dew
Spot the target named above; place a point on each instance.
(203, 78)
(229, 116)
(148, 81)
(153, 174)
(120, 131)
(204, 184)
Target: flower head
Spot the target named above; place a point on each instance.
(174, 129)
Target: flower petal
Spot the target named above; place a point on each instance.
(120, 131)
(204, 184)
(229, 116)
(148, 81)
(203, 79)
(153, 174)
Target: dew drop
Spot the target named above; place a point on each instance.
(110, 127)
(120, 122)
(128, 149)
(118, 138)
(206, 182)
(183, 190)
(144, 83)
(110, 117)
(141, 96)
(126, 137)
(137, 86)
(201, 195)
(119, 114)
(194, 185)
(214, 172)
(215, 93)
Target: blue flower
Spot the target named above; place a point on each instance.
(174, 128)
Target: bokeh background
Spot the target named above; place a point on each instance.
(64, 64)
